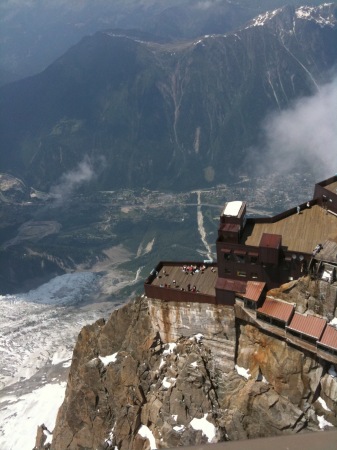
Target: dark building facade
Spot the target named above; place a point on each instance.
(278, 249)
(267, 251)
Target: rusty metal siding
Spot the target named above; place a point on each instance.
(230, 285)
(269, 248)
(310, 325)
(329, 337)
(176, 295)
(254, 290)
(277, 309)
(231, 227)
(225, 297)
(269, 240)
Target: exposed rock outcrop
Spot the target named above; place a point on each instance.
(309, 295)
(164, 375)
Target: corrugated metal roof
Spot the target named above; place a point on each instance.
(277, 309)
(254, 290)
(309, 325)
(271, 240)
(231, 285)
(329, 337)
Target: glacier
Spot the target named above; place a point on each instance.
(38, 330)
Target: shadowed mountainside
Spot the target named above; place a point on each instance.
(33, 34)
(174, 115)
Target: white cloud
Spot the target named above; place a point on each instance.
(72, 180)
(206, 4)
(305, 133)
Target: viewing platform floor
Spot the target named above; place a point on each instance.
(300, 232)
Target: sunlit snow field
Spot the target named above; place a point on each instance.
(38, 330)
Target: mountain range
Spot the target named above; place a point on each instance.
(142, 111)
(34, 33)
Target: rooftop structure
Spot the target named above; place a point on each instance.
(309, 326)
(300, 232)
(278, 249)
(276, 311)
(328, 341)
(232, 209)
(255, 255)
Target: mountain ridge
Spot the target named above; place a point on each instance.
(161, 115)
(33, 34)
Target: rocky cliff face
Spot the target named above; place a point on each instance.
(164, 375)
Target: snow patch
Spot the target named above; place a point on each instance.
(26, 413)
(261, 19)
(49, 437)
(262, 378)
(243, 372)
(162, 363)
(333, 322)
(108, 359)
(179, 428)
(146, 433)
(323, 423)
(322, 15)
(62, 355)
(323, 403)
(198, 337)
(109, 440)
(170, 349)
(168, 382)
(207, 428)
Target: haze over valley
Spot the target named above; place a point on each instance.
(125, 126)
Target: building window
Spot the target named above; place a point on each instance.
(241, 273)
(254, 275)
(253, 259)
(239, 258)
(227, 271)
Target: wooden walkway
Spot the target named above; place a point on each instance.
(204, 282)
(300, 232)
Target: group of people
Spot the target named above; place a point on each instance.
(190, 270)
(189, 287)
